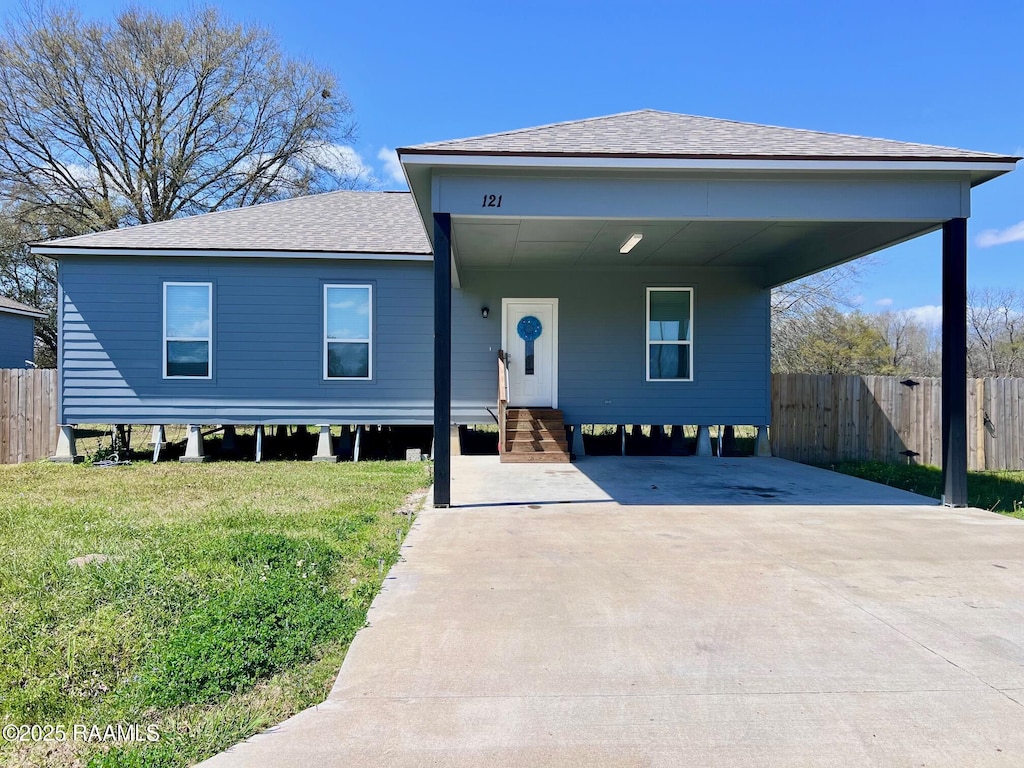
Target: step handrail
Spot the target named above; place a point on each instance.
(502, 398)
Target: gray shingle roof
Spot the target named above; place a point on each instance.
(334, 222)
(16, 307)
(650, 132)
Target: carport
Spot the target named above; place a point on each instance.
(693, 193)
(681, 611)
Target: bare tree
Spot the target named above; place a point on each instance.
(152, 117)
(794, 305)
(913, 346)
(146, 118)
(831, 288)
(995, 322)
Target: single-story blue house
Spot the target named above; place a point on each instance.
(17, 333)
(615, 270)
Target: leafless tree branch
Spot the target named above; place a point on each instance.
(150, 117)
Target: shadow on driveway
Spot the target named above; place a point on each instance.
(482, 481)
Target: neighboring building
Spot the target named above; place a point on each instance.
(625, 264)
(17, 333)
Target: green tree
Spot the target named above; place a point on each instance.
(827, 341)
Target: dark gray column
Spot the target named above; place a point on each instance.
(954, 362)
(442, 359)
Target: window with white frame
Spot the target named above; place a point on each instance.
(348, 332)
(670, 334)
(188, 321)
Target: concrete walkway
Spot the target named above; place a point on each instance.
(680, 612)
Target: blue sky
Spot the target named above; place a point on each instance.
(933, 72)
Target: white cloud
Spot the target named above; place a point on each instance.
(83, 174)
(991, 237)
(929, 315)
(344, 161)
(857, 300)
(887, 302)
(337, 158)
(392, 166)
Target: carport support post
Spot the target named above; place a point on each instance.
(954, 363)
(442, 359)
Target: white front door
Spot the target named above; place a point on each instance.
(530, 341)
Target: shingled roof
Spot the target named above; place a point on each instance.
(651, 133)
(334, 222)
(13, 307)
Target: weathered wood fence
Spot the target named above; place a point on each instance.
(28, 414)
(823, 419)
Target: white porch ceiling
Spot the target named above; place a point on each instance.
(785, 249)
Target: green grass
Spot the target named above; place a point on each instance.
(229, 598)
(996, 491)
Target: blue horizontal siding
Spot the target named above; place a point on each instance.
(602, 343)
(267, 343)
(268, 355)
(17, 340)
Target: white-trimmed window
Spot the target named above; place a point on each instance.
(188, 334)
(348, 332)
(670, 334)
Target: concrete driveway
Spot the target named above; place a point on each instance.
(680, 612)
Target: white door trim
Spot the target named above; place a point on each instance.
(554, 335)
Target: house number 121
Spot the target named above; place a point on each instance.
(492, 201)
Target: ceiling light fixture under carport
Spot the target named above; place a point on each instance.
(630, 244)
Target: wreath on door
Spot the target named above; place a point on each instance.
(529, 328)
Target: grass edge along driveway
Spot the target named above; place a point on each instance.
(996, 491)
(225, 603)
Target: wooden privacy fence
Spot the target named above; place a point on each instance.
(28, 414)
(824, 419)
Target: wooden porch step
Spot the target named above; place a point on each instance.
(535, 446)
(535, 458)
(535, 435)
(523, 423)
(522, 418)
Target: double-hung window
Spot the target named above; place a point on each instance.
(670, 334)
(188, 334)
(348, 332)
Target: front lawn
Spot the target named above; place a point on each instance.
(224, 600)
(996, 491)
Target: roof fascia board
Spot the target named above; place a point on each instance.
(707, 164)
(27, 313)
(51, 250)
